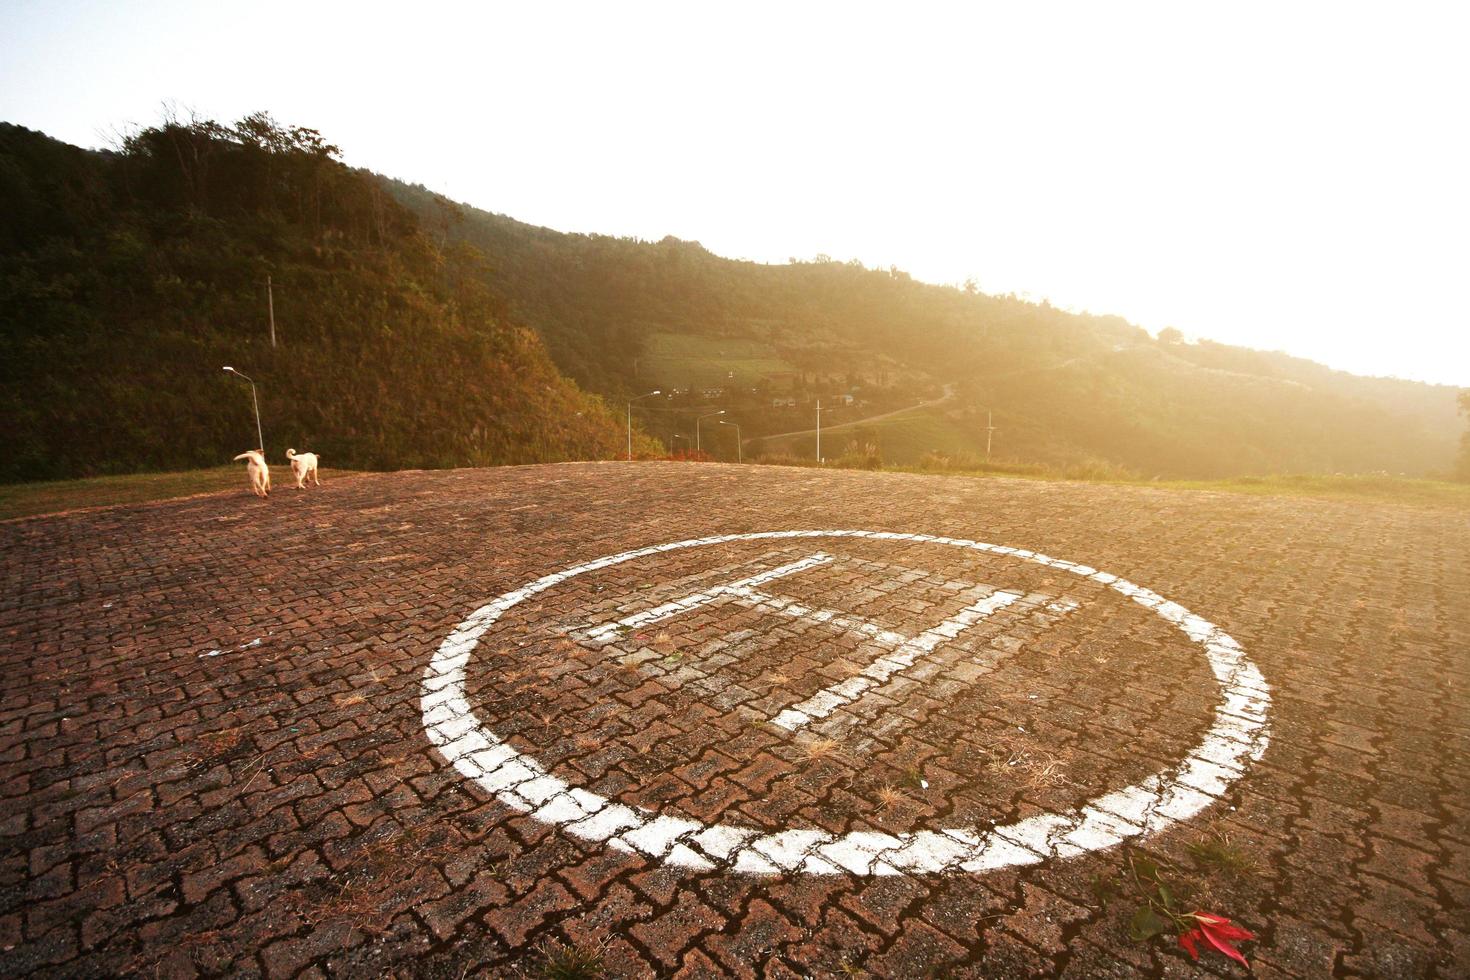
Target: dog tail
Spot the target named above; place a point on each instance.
(242, 456)
(290, 454)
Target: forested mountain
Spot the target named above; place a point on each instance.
(128, 278)
(413, 331)
(1064, 388)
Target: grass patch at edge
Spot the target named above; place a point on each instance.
(35, 499)
(55, 496)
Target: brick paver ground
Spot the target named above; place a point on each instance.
(213, 756)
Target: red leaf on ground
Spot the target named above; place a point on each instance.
(1220, 932)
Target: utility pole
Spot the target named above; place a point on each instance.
(270, 305)
(989, 430)
(819, 430)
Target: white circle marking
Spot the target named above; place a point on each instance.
(1239, 734)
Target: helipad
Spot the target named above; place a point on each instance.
(1237, 735)
(706, 720)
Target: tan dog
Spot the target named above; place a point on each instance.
(303, 467)
(258, 472)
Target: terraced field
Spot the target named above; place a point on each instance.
(689, 360)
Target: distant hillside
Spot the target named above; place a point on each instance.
(1064, 388)
(128, 278)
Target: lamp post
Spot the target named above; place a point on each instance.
(696, 426)
(819, 430)
(630, 418)
(739, 446)
(677, 435)
(254, 402)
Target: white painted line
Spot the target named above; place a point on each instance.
(1239, 735)
(608, 632)
(795, 610)
(907, 650)
(826, 701)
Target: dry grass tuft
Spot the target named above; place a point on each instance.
(356, 892)
(890, 797)
(218, 747)
(560, 962)
(820, 748)
(1033, 768)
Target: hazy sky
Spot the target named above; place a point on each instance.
(1286, 176)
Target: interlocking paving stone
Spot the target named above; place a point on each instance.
(213, 756)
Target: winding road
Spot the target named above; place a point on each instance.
(947, 396)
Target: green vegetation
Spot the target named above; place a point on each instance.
(690, 360)
(29, 499)
(414, 332)
(1368, 488)
(560, 962)
(1219, 853)
(1066, 389)
(53, 496)
(904, 439)
(128, 278)
(1462, 464)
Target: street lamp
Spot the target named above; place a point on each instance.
(819, 430)
(699, 420)
(630, 418)
(677, 435)
(739, 446)
(253, 401)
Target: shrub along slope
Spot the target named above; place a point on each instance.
(129, 278)
(1066, 389)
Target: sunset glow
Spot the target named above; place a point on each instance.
(1277, 177)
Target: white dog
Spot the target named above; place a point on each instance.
(303, 467)
(258, 472)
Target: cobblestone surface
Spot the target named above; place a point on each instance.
(213, 756)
